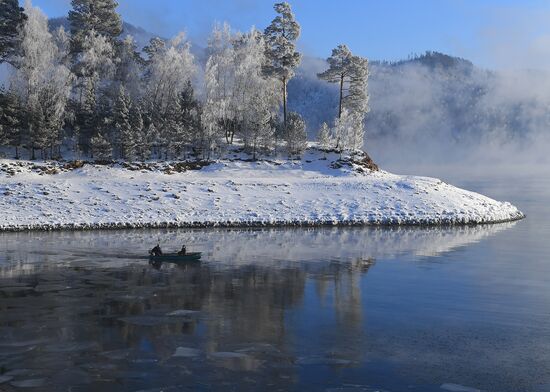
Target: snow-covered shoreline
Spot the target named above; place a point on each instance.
(310, 192)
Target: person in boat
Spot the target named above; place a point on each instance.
(156, 251)
(183, 251)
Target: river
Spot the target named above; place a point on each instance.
(321, 309)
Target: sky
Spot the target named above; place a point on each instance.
(500, 34)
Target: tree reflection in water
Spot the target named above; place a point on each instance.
(86, 310)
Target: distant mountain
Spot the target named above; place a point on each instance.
(141, 36)
(433, 96)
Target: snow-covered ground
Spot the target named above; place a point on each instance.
(312, 191)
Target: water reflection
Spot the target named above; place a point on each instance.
(85, 309)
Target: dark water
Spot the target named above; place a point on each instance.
(347, 309)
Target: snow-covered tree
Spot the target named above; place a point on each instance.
(99, 16)
(324, 137)
(349, 131)
(351, 73)
(219, 80)
(95, 68)
(280, 38)
(12, 18)
(101, 148)
(123, 136)
(10, 131)
(340, 69)
(41, 81)
(156, 45)
(190, 114)
(152, 139)
(255, 99)
(295, 134)
(169, 72)
(357, 99)
(129, 67)
(96, 63)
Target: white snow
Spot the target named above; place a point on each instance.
(234, 193)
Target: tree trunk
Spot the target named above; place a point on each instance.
(341, 92)
(16, 152)
(284, 102)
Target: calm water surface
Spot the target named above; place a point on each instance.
(332, 309)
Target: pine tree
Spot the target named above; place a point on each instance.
(357, 99)
(10, 125)
(295, 134)
(156, 45)
(129, 67)
(152, 138)
(138, 130)
(280, 37)
(124, 136)
(12, 18)
(87, 120)
(340, 69)
(190, 110)
(99, 16)
(101, 148)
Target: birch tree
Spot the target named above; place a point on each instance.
(42, 83)
(219, 79)
(255, 99)
(169, 72)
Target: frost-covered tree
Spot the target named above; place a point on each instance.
(351, 73)
(95, 69)
(101, 148)
(324, 137)
(190, 114)
(357, 99)
(169, 72)
(10, 113)
(349, 131)
(219, 81)
(123, 136)
(152, 138)
(99, 16)
(295, 134)
(96, 63)
(41, 81)
(156, 45)
(255, 99)
(129, 67)
(280, 38)
(12, 17)
(140, 146)
(339, 71)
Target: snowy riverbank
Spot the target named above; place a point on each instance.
(314, 191)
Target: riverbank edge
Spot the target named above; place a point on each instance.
(445, 222)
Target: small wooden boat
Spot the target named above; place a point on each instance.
(176, 258)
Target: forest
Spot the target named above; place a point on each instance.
(91, 93)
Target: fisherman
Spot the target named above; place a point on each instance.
(156, 251)
(182, 251)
